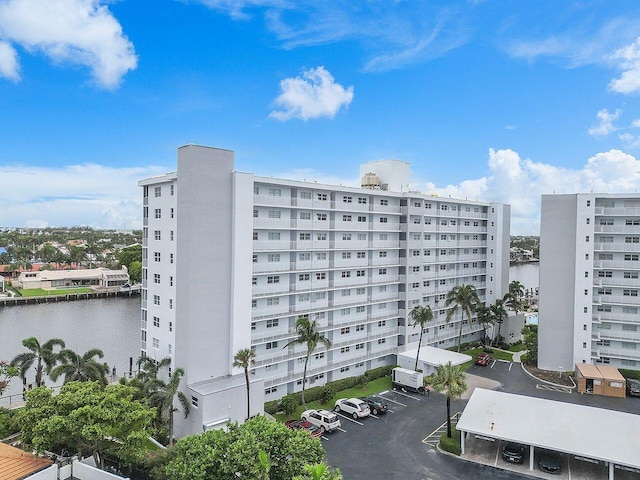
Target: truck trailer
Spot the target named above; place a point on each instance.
(407, 380)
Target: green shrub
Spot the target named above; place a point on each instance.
(272, 407)
(328, 392)
(289, 404)
(343, 383)
(635, 374)
(8, 422)
(362, 380)
(451, 445)
(380, 372)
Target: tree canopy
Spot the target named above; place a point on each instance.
(86, 419)
(218, 455)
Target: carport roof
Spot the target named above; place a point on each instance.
(590, 432)
(437, 356)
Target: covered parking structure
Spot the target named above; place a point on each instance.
(586, 432)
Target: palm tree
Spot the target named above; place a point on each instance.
(420, 316)
(451, 381)
(161, 394)
(42, 353)
(244, 359)
(85, 368)
(516, 289)
(498, 314)
(465, 297)
(148, 368)
(308, 333)
(486, 319)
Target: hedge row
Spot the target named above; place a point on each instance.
(630, 373)
(316, 393)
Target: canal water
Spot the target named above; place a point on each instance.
(527, 274)
(110, 324)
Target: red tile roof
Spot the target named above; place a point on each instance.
(16, 464)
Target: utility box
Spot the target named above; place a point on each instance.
(406, 379)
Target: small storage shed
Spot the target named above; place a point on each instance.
(589, 379)
(614, 382)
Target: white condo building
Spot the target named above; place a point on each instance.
(589, 281)
(231, 260)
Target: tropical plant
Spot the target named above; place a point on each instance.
(160, 394)
(420, 316)
(7, 372)
(308, 334)
(486, 319)
(81, 368)
(319, 471)
(451, 381)
(498, 313)
(466, 298)
(42, 354)
(245, 358)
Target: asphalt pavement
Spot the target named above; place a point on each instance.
(391, 446)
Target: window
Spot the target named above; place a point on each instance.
(171, 326)
(383, 236)
(272, 323)
(156, 299)
(633, 310)
(346, 236)
(346, 274)
(362, 236)
(273, 257)
(629, 328)
(632, 221)
(601, 291)
(273, 279)
(303, 277)
(305, 236)
(156, 278)
(631, 239)
(319, 356)
(156, 321)
(255, 258)
(157, 191)
(382, 271)
(631, 257)
(274, 236)
(158, 213)
(345, 311)
(270, 345)
(268, 391)
(362, 200)
(304, 257)
(346, 218)
(156, 343)
(254, 303)
(306, 195)
(156, 234)
(607, 239)
(346, 293)
(605, 274)
(360, 273)
(382, 288)
(275, 213)
(345, 330)
(322, 197)
(172, 189)
(384, 201)
(321, 216)
(321, 276)
(381, 341)
(274, 192)
(360, 291)
(346, 254)
(345, 349)
(347, 199)
(359, 328)
(627, 292)
(321, 236)
(362, 219)
(359, 309)
(384, 219)
(382, 323)
(170, 305)
(255, 235)
(171, 258)
(305, 215)
(171, 235)
(361, 255)
(271, 301)
(321, 256)
(172, 213)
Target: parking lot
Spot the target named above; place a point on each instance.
(395, 445)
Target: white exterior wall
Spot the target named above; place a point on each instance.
(589, 286)
(393, 174)
(255, 253)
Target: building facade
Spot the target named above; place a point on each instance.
(589, 281)
(231, 260)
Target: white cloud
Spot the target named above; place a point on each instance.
(88, 194)
(9, 67)
(628, 59)
(82, 32)
(605, 123)
(314, 94)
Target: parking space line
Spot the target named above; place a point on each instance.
(323, 437)
(406, 395)
(393, 401)
(348, 418)
(510, 365)
(493, 364)
(341, 430)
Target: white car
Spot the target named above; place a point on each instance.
(353, 406)
(325, 420)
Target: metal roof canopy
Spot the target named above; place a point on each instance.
(588, 432)
(437, 356)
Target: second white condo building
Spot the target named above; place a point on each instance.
(231, 260)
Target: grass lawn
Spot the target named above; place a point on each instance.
(375, 386)
(39, 292)
(497, 354)
(518, 347)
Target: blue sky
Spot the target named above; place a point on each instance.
(492, 100)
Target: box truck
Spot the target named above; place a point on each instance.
(407, 380)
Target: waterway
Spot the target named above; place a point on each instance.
(527, 274)
(110, 324)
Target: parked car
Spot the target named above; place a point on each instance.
(326, 421)
(549, 461)
(483, 359)
(352, 406)
(377, 405)
(633, 387)
(314, 431)
(513, 452)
